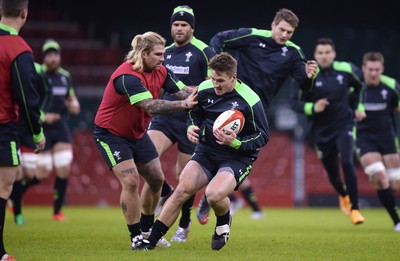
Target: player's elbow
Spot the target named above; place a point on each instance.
(265, 138)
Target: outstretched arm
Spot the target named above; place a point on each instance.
(158, 106)
(185, 92)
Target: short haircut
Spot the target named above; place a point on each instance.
(224, 62)
(288, 16)
(12, 8)
(325, 41)
(373, 57)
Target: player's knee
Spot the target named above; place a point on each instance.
(62, 158)
(374, 168)
(376, 174)
(334, 178)
(29, 160)
(394, 185)
(5, 190)
(186, 189)
(180, 194)
(394, 178)
(393, 174)
(155, 182)
(130, 182)
(155, 186)
(45, 161)
(347, 165)
(214, 197)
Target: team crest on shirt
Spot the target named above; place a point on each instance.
(117, 155)
(340, 78)
(188, 55)
(384, 94)
(235, 104)
(284, 50)
(64, 80)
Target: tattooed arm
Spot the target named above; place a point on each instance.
(139, 95)
(185, 92)
(164, 107)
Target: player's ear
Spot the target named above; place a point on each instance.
(144, 54)
(24, 13)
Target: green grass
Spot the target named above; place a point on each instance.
(284, 234)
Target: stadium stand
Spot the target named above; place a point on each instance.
(90, 61)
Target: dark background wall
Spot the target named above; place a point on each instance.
(355, 26)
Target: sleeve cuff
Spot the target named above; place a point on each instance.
(190, 126)
(180, 85)
(38, 137)
(361, 107)
(309, 108)
(235, 144)
(42, 116)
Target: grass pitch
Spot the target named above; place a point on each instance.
(284, 234)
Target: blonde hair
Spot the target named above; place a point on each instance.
(142, 43)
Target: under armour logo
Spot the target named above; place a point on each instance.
(210, 100)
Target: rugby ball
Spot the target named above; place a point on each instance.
(231, 120)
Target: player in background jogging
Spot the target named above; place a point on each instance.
(58, 152)
(376, 137)
(332, 118)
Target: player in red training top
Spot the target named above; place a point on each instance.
(129, 101)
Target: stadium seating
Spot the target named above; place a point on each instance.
(89, 60)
